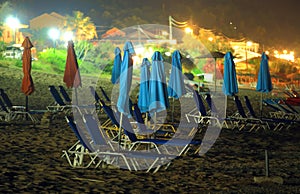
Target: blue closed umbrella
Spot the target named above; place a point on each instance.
(125, 79)
(176, 86)
(144, 95)
(125, 83)
(264, 83)
(128, 46)
(117, 66)
(158, 88)
(230, 85)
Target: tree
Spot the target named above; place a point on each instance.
(40, 38)
(83, 26)
(5, 10)
(82, 47)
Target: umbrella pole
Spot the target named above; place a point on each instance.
(261, 98)
(215, 72)
(120, 128)
(26, 106)
(76, 97)
(173, 110)
(146, 119)
(225, 106)
(26, 103)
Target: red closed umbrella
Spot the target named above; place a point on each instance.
(72, 75)
(27, 82)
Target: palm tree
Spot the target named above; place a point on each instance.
(83, 27)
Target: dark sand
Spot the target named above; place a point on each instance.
(31, 157)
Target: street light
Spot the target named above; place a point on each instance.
(54, 35)
(13, 23)
(188, 30)
(68, 36)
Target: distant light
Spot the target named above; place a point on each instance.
(285, 55)
(12, 22)
(54, 33)
(168, 53)
(68, 36)
(249, 43)
(210, 39)
(165, 33)
(267, 52)
(188, 30)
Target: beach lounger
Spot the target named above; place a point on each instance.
(111, 125)
(60, 106)
(97, 99)
(80, 154)
(12, 112)
(105, 94)
(279, 111)
(264, 122)
(8, 102)
(3, 111)
(157, 130)
(200, 115)
(173, 146)
(84, 154)
(213, 109)
(245, 122)
(65, 95)
(111, 152)
(133, 159)
(92, 150)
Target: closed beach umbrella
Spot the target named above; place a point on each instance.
(158, 88)
(125, 83)
(176, 86)
(264, 83)
(27, 82)
(117, 66)
(72, 74)
(230, 85)
(144, 94)
(125, 79)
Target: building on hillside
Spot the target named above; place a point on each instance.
(10, 35)
(137, 35)
(244, 46)
(114, 32)
(47, 20)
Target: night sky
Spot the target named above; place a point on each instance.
(279, 18)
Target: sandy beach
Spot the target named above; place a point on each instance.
(31, 159)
